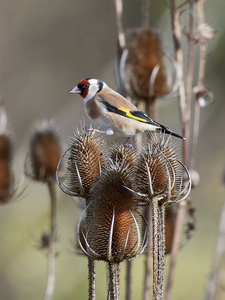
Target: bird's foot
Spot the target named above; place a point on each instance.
(126, 142)
(94, 130)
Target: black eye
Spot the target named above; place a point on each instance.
(85, 86)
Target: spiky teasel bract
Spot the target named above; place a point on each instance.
(113, 221)
(85, 160)
(45, 152)
(145, 72)
(160, 171)
(125, 155)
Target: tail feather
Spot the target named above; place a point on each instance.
(168, 131)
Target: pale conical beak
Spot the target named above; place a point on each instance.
(75, 90)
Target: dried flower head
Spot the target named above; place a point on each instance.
(44, 155)
(8, 188)
(113, 221)
(143, 66)
(125, 155)
(85, 159)
(160, 172)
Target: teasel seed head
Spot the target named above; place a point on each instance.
(125, 155)
(160, 173)
(143, 65)
(85, 159)
(8, 188)
(114, 230)
(45, 152)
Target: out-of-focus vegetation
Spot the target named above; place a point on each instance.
(45, 48)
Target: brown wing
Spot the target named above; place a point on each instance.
(115, 99)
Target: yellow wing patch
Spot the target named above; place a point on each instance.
(137, 117)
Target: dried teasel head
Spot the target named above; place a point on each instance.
(125, 155)
(85, 159)
(45, 152)
(114, 230)
(160, 173)
(8, 188)
(144, 68)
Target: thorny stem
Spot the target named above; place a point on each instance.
(114, 281)
(161, 245)
(155, 238)
(91, 264)
(128, 280)
(175, 247)
(91, 279)
(158, 228)
(148, 259)
(51, 256)
(201, 77)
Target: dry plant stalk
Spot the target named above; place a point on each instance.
(41, 165)
(194, 36)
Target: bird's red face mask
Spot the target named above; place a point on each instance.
(81, 88)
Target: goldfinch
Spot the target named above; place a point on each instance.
(113, 113)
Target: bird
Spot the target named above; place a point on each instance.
(113, 113)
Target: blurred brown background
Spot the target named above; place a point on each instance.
(46, 47)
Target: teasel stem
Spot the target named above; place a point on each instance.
(148, 258)
(190, 67)
(91, 279)
(151, 107)
(114, 281)
(184, 121)
(161, 249)
(200, 81)
(51, 256)
(175, 246)
(128, 280)
(158, 233)
(176, 28)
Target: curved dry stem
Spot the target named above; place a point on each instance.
(118, 13)
(63, 186)
(109, 250)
